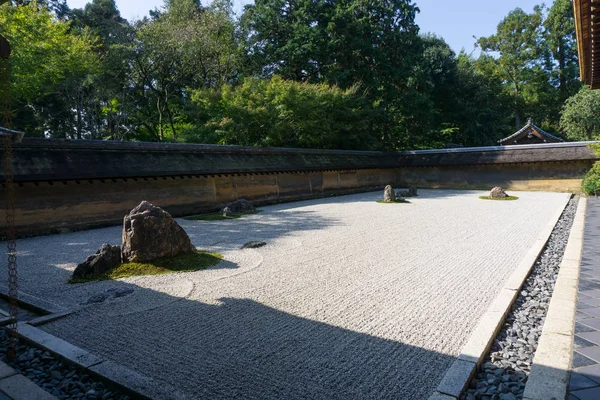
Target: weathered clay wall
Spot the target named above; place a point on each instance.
(64, 185)
(46, 207)
(541, 176)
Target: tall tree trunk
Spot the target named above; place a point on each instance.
(79, 107)
(161, 136)
(517, 113)
(562, 85)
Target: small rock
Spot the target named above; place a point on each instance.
(237, 207)
(388, 194)
(97, 298)
(105, 259)
(123, 292)
(253, 245)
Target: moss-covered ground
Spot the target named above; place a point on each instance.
(166, 265)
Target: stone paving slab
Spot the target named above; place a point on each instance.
(585, 376)
(14, 386)
(348, 299)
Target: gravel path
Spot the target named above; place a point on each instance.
(348, 299)
(504, 373)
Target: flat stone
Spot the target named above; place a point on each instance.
(588, 394)
(548, 383)
(20, 388)
(591, 352)
(593, 336)
(592, 323)
(58, 346)
(441, 396)
(48, 318)
(580, 360)
(578, 382)
(136, 382)
(457, 378)
(592, 293)
(594, 312)
(592, 372)
(6, 371)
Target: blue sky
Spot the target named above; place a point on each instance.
(456, 21)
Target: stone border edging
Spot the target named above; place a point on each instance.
(19, 387)
(127, 380)
(33, 303)
(549, 376)
(458, 376)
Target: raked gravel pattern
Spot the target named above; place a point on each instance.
(504, 373)
(348, 299)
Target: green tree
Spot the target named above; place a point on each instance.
(278, 112)
(103, 103)
(580, 119)
(187, 46)
(374, 44)
(560, 36)
(519, 48)
(45, 58)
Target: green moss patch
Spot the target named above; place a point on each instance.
(166, 265)
(393, 202)
(218, 216)
(501, 198)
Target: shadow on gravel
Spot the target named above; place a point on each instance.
(242, 349)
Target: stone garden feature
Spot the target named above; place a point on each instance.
(237, 207)
(105, 259)
(389, 196)
(149, 232)
(498, 193)
(411, 192)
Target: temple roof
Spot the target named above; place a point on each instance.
(587, 17)
(529, 131)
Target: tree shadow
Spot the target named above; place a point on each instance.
(238, 348)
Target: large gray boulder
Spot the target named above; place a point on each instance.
(149, 232)
(498, 193)
(104, 260)
(237, 207)
(388, 194)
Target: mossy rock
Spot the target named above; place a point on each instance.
(219, 217)
(182, 263)
(499, 198)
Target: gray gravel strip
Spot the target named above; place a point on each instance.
(503, 374)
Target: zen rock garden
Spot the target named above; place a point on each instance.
(300, 278)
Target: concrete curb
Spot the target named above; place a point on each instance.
(549, 377)
(119, 376)
(458, 376)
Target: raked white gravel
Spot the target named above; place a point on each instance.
(349, 299)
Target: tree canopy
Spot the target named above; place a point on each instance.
(352, 74)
